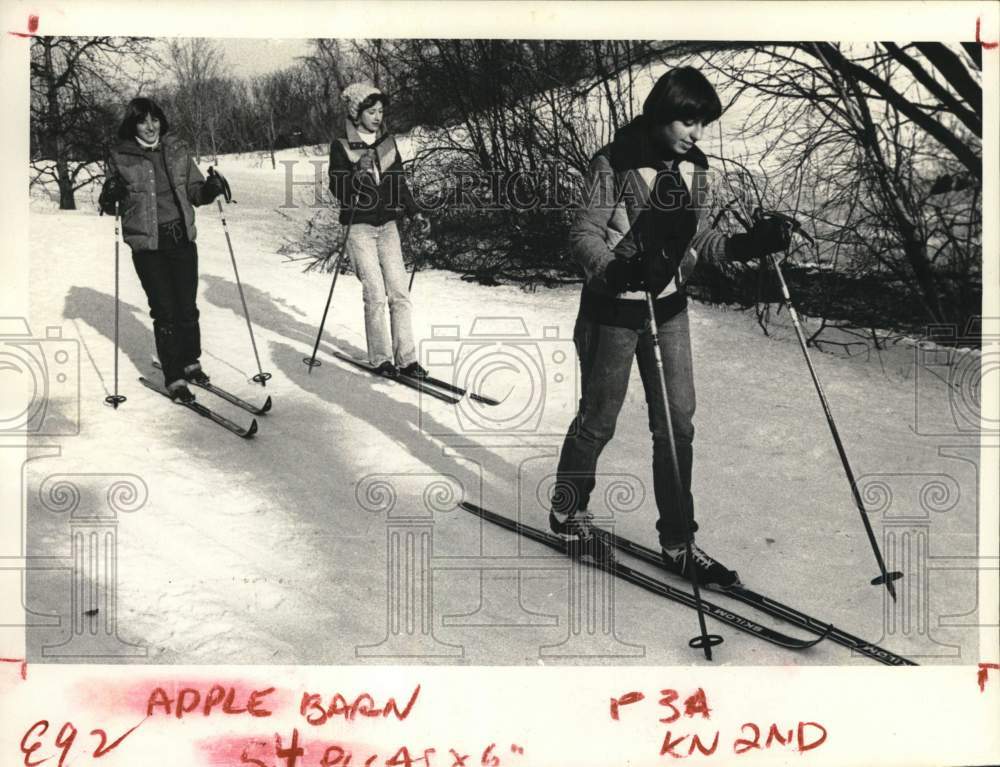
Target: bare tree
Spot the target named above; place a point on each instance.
(893, 121)
(327, 70)
(519, 119)
(281, 101)
(75, 82)
(196, 65)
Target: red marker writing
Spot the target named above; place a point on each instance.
(983, 674)
(979, 39)
(32, 27)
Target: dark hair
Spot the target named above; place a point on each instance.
(682, 94)
(137, 111)
(369, 101)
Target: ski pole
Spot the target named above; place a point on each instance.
(413, 272)
(311, 361)
(884, 577)
(704, 640)
(116, 399)
(261, 377)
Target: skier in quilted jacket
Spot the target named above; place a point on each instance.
(154, 184)
(642, 228)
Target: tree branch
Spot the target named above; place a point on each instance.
(948, 139)
(969, 118)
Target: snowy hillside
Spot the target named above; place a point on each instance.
(274, 550)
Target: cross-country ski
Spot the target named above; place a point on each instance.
(642, 580)
(398, 377)
(204, 412)
(776, 609)
(228, 396)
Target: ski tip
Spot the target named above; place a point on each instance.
(492, 401)
(266, 406)
(486, 400)
(250, 431)
(820, 638)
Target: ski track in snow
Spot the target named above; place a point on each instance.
(263, 552)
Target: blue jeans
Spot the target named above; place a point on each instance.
(377, 256)
(606, 354)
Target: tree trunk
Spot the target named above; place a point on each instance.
(67, 200)
(272, 138)
(916, 256)
(57, 144)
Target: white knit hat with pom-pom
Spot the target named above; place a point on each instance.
(355, 94)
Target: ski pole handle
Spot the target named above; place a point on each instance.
(796, 226)
(226, 191)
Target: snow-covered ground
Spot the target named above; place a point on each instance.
(282, 549)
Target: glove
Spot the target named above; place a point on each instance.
(656, 272)
(115, 191)
(214, 186)
(422, 225)
(366, 163)
(649, 271)
(620, 274)
(769, 235)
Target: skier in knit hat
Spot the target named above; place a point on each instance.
(367, 177)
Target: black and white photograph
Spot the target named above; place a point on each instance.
(442, 355)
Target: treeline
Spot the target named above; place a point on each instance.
(79, 87)
(876, 148)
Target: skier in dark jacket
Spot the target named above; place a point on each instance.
(367, 177)
(154, 183)
(642, 228)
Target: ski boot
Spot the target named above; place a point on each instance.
(710, 572)
(582, 539)
(414, 370)
(180, 393)
(195, 374)
(386, 369)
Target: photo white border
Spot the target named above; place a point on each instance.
(875, 715)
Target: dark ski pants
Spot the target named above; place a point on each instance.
(606, 354)
(170, 278)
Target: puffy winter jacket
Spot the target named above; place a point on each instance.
(134, 165)
(610, 224)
